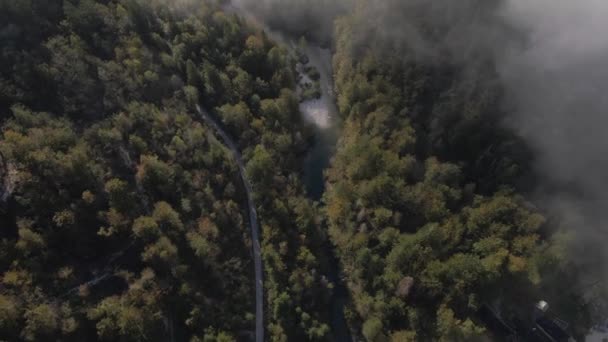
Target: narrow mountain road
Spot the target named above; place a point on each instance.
(253, 222)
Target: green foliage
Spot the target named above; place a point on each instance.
(155, 175)
(453, 329)
(145, 227)
(117, 319)
(372, 329)
(236, 117)
(167, 217)
(9, 312)
(260, 166)
(162, 252)
(422, 202)
(42, 321)
(128, 219)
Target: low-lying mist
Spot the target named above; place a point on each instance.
(310, 18)
(556, 87)
(552, 59)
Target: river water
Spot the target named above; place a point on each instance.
(322, 113)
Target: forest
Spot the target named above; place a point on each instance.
(124, 216)
(427, 199)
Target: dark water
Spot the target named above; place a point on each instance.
(323, 114)
(316, 163)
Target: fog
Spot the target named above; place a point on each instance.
(311, 18)
(556, 84)
(551, 57)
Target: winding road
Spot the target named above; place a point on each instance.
(253, 223)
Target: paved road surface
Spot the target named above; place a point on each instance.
(253, 222)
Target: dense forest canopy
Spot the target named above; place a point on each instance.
(125, 218)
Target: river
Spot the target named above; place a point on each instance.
(322, 115)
